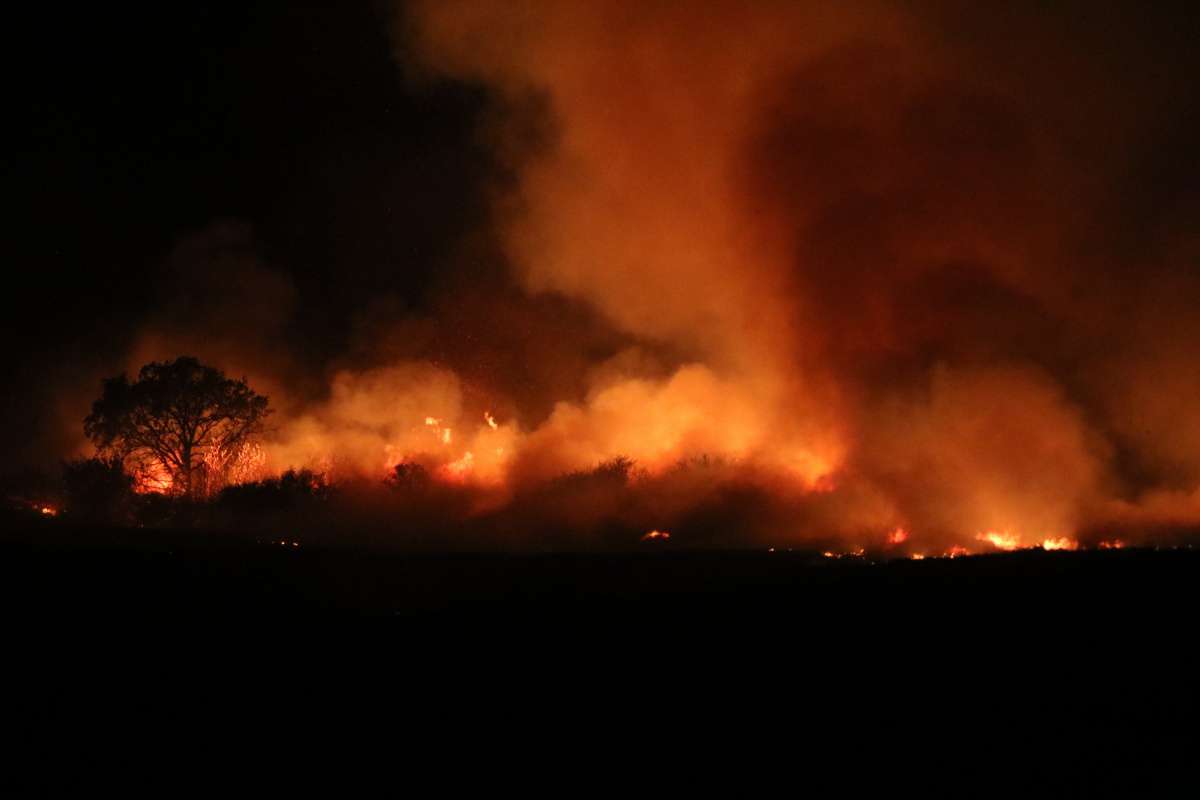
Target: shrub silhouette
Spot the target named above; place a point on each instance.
(98, 490)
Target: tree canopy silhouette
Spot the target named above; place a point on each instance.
(181, 428)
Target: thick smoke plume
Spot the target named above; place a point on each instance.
(895, 266)
(884, 243)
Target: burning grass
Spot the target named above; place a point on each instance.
(698, 503)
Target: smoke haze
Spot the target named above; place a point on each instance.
(918, 266)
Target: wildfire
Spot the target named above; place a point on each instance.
(49, 511)
(479, 456)
(1001, 540)
(458, 469)
(656, 535)
(445, 435)
(151, 478)
(857, 552)
(1112, 544)
(898, 536)
(1061, 543)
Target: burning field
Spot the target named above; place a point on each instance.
(905, 280)
(759, 376)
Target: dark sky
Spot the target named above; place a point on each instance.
(141, 125)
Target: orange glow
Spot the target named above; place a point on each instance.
(458, 469)
(656, 535)
(651, 281)
(151, 478)
(1001, 540)
(857, 552)
(1060, 543)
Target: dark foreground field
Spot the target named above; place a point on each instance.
(135, 574)
(1096, 643)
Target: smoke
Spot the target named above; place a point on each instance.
(885, 244)
(892, 265)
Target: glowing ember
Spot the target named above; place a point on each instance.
(917, 556)
(49, 511)
(857, 552)
(1061, 543)
(957, 551)
(1112, 544)
(1001, 540)
(656, 535)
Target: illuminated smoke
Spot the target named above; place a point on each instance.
(859, 253)
(864, 241)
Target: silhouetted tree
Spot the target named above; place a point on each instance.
(182, 427)
(98, 490)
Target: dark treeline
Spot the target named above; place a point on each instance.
(613, 505)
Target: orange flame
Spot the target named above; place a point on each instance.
(458, 470)
(1001, 540)
(1060, 543)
